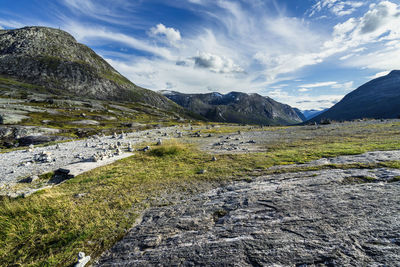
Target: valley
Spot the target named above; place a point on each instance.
(94, 165)
(218, 164)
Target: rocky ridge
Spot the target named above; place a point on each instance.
(378, 99)
(236, 107)
(52, 61)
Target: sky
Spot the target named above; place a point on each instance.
(305, 53)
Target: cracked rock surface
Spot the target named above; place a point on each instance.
(318, 218)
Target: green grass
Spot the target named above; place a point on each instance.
(358, 180)
(227, 129)
(51, 226)
(395, 179)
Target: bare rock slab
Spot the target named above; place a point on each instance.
(292, 219)
(75, 169)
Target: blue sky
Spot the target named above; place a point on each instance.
(306, 53)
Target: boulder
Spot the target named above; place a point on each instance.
(12, 118)
(39, 139)
(86, 122)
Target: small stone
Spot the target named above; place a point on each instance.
(145, 149)
(214, 158)
(159, 142)
(31, 148)
(82, 260)
(202, 171)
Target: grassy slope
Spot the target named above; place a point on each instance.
(142, 113)
(49, 228)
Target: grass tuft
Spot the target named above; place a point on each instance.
(170, 149)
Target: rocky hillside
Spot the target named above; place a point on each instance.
(53, 60)
(300, 114)
(379, 98)
(236, 107)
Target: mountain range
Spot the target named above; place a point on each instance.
(47, 60)
(236, 107)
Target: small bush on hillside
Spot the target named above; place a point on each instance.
(166, 150)
(325, 121)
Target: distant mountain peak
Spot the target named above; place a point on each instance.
(236, 107)
(394, 72)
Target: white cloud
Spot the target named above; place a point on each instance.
(303, 90)
(366, 37)
(216, 63)
(172, 35)
(379, 74)
(157, 74)
(305, 102)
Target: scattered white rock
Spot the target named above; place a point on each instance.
(31, 148)
(82, 260)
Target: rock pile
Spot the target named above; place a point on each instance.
(43, 157)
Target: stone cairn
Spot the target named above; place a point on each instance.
(43, 157)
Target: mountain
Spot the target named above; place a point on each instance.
(54, 62)
(300, 114)
(311, 113)
(236, 107)
(379, 98)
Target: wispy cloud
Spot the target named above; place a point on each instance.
(319, 84)
(336, 7)
(251, 46)
(88, 33)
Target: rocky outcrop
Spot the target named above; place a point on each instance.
(236, 107)
(51, 60)
(320, 218)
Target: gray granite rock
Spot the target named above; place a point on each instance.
(297, 219)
